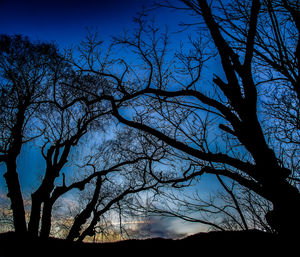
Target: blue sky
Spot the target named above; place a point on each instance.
(66, 21)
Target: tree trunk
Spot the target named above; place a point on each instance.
(284, 218)
(42, 195)
(15, 195)
(89, 231)
(86, 213)
(35, 215)
(11, 175)
(46, 219)
(78, 222)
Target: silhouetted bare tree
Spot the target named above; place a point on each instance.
(167, 99)
(27, 70)
(43, 97)
(243, 126)
(63, 129)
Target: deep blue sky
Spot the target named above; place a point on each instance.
(65, 21)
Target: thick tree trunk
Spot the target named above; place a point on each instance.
(46, 219)
(15, 195)
(11, 175)
(284, 218)
(35, 215)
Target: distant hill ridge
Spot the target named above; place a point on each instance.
(235, 243)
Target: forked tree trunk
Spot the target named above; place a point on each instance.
(42, 194)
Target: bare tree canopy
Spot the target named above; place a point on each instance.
(40, 102)
(27, 70)
(225, 103)
(256, 43)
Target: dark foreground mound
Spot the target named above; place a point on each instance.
(213, 243)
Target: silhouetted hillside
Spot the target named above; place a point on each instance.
(213, 243)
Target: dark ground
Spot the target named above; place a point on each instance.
(252, 243)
